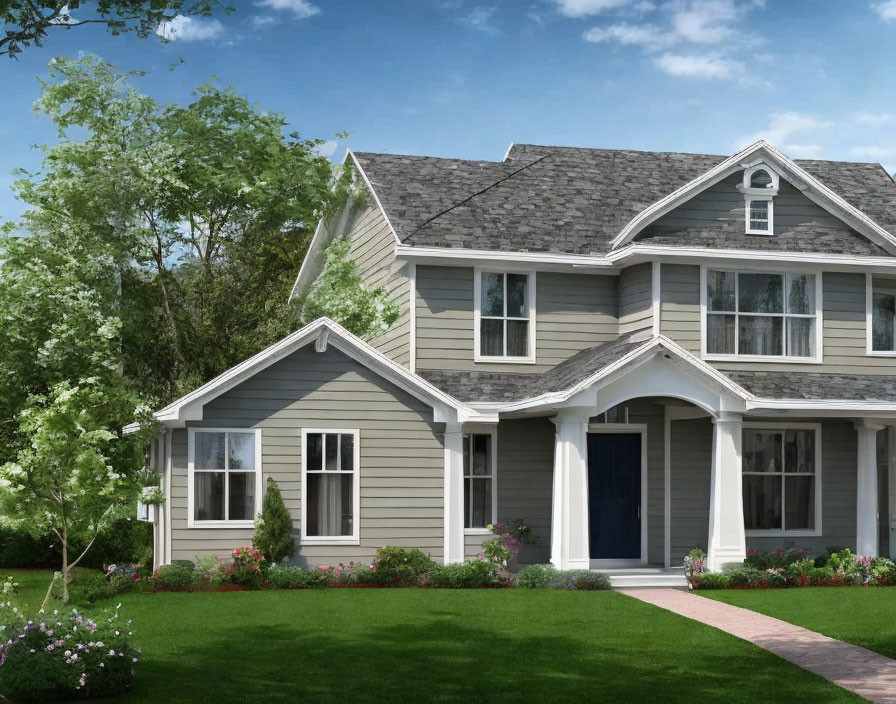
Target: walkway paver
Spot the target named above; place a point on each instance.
(868, 674)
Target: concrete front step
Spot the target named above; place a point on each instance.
(668, 581)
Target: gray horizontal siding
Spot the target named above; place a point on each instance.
(635, 298)
(573, 311)
(402, 454)
(680, 305)
(715, 218)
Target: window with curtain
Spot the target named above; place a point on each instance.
(479, 478)
(224, 475)
(754, 314)
(779, 479)
(883, 320)
(760, 216)
(504, 315)
(330, 484)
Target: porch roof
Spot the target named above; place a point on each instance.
(816, 386)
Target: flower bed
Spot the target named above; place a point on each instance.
(792, 567)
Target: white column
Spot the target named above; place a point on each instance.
(866, 489)
(454, 493)
(727, 542)
(569, 517)
(891, 486)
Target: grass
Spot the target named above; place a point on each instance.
(864, 616)
(417, 645)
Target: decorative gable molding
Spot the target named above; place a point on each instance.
(761, 151)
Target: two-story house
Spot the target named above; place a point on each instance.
(636, 353)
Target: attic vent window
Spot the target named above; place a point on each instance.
(760, 186)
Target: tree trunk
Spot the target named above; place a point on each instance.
(66, 577)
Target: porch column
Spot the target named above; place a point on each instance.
(454, 493)
(866, 488)
(569, 515)
(727, 542)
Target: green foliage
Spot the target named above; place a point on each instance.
(87, 587)
(340, 294)
(774, 559)
(27, 23)
(548, 577)
(273, 528)
(176, 578)
(279, 577)
(711, 580)
(468, 575)
(402, 566)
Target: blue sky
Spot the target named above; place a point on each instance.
(464, 78)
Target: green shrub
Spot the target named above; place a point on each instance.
(184, 564)
(273, 529)
(279, 577)
(711, 580)
(581, 580)
(246, 568)
(176, 578)
(536, 576)
(776, 558)
(401, 566)
(87, 587)
(468, 575)
(18, 548)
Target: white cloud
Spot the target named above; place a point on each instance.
(784, 125)
(190, 29)
(480, 18)
(874, 119)
(707, 21)
(300, 9)
(802, 151)
(873, 152)
(585, 8)
(886, 10)
(262, 21)
(648, 36)
(704, 67)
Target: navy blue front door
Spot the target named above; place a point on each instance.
(614, 495)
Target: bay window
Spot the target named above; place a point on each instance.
(761, 314)
(330, 500)
(504, 312)
(781, 479)
(224, 476)
(479, 481)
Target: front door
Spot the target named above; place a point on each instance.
(614, 495)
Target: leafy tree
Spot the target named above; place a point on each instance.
(273, 529)
(340, 294)
(207, 210)
(27, 22)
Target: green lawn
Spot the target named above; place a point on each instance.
(356, 645)
(865, 616)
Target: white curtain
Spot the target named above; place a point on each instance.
(329, 504)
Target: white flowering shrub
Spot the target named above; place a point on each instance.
(62, 655)
(339, 293)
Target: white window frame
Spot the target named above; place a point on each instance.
(752, 194)
(355, 537)
(735, 357)
(869, 315)
(477, 316)
(493, 433)
(191, 470)
(774, 532)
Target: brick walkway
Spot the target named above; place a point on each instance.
(857, 669)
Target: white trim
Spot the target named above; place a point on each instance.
(655, 297)
(774, 533)
(748, 217)
(667, 488)
(258, 471)
(530, 358)
(747, 186)
(507, 153)
(169, 468)
(869, 316)
(492, 431)
(809, 185)
(376, 198)
(355, 537)
(454, 544)
(818, 317)
(624, 429)
(412, 313)
(491, 258)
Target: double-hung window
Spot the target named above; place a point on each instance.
(761, 314)
(781, 479)
(882, 331)
(479, 481)
(504, 320)
(330, 501)
(225, 476)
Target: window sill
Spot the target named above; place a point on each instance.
(760, 358)
(221, 524)
(782, 533)
(881, 353)
(764, 233)
(330, 541)
(477, 531)
(504, 360)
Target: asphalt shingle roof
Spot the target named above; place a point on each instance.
(817, 386)
(565, 199)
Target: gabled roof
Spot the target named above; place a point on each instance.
(322, 332)
(568, 200)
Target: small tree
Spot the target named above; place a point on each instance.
(339, 293)
(76, 475)
(273, 528)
